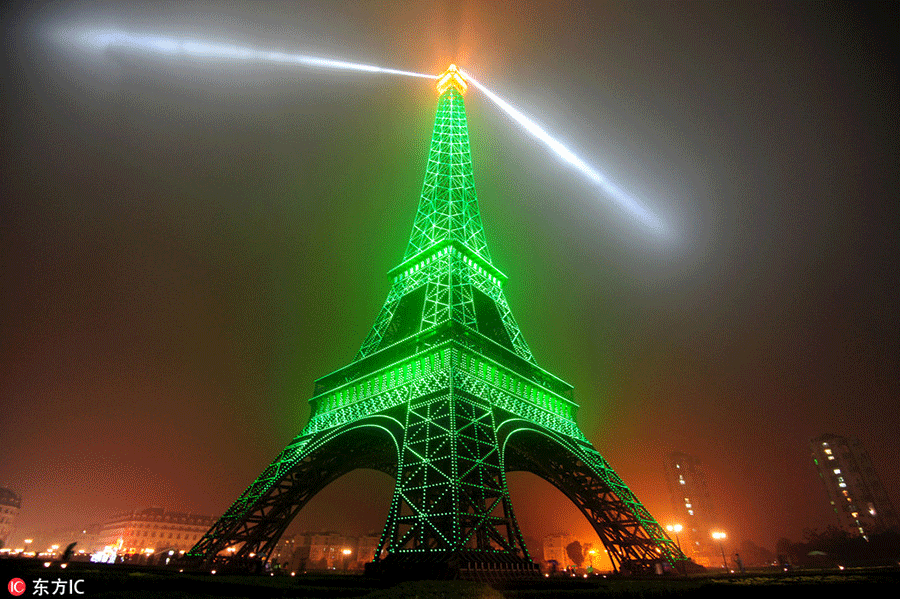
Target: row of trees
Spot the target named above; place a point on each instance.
(835, 547)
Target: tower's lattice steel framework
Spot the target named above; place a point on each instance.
(446, 397)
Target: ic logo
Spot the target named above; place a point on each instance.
(16, 587)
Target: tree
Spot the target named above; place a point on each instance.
(755, 555)
(573, 550)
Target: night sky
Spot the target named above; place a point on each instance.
(187, 245)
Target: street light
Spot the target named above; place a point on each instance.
(675, 528)
(719, 536)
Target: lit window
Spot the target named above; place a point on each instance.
(837, 470)
(681, 481)
(691, 512)
(842, 485)
(687, 505)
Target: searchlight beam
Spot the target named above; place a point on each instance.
(101, 40)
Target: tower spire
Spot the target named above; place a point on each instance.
(447, 274)
(448, 206)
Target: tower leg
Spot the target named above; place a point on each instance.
(249, 530)
(451, 506)
(631, 536)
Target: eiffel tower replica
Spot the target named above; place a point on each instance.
(445, 397)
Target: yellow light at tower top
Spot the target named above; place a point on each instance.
(451, 78)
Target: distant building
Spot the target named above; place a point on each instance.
(326, 549)
(284, 551)
(154, 529)
(692, 506)
(857, 496)
(555, 550)
(10, 503)
(330, 551)
(366, 546)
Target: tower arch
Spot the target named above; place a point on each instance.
(631, 537)
(254, 523)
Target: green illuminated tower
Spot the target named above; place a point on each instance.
(444, 396)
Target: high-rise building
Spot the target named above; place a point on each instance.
(859, 500)
(10, 502)
(692, 506)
